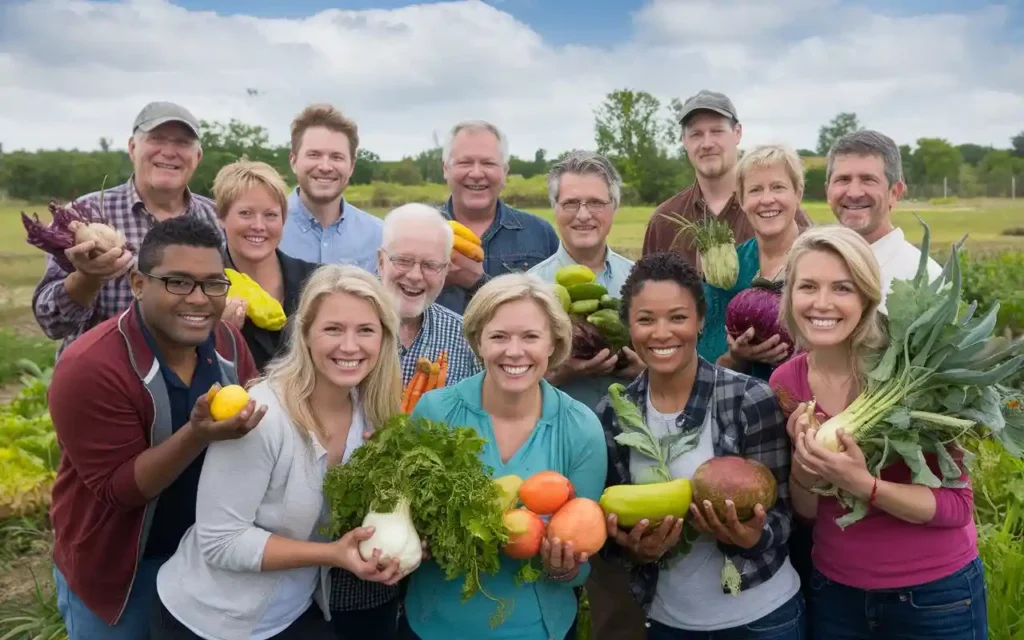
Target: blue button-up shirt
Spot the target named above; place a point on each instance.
(515, 241)
(590, 389)
(352, 239)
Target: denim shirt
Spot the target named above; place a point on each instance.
(352, 239)
(515, 241)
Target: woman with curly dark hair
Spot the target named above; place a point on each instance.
(736, 580)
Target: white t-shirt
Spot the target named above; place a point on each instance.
(898, 260)
(689, 594)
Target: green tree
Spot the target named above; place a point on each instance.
(367, 167)
(406, 172)
(1017, 142)
(840, 125)
(938, 159)
(972, 153)
(628, 129)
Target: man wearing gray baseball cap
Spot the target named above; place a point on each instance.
(164, 149)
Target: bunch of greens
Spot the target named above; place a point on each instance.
(454, 503)
(936, 385)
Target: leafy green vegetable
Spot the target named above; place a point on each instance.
(716, 246)
(453, 500)
(637, 435)
(937, 383)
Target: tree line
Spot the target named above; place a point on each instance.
(635, 129)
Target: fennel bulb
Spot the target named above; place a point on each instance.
(395, 536)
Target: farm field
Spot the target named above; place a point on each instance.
(24, 423)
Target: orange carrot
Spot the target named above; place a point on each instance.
(407, 395)
(423, 374)
(443, 366)
(435, 369)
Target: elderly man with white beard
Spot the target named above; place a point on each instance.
(413, 262)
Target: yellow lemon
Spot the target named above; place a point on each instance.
(228, 402)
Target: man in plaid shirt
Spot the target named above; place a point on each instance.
(165, 150)
(412, 262)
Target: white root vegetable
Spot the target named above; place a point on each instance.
(105, 236)
(395, 536)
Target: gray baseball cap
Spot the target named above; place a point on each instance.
(155, 114)
(708, 101)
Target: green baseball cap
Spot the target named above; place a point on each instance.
(155, 114)
(708, 101)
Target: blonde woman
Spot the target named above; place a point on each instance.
(252, 204)
(910, 568)
(254, 563)
(770, 186)
(518, 329)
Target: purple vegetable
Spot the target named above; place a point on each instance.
(587, 339)
(756, 307)
(59, 235)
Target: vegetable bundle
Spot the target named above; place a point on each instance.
(429, 376)
(937, 384)
(435, 472)
(716, 246)
(466, 242)
(72, 224)
(594, 313)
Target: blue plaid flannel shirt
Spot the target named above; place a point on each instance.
(750, 424)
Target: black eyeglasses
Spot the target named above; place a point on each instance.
(184, 286)
(405, 264)
(593, 206)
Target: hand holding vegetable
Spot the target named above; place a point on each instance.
(633, 367)
(464, 272)
(847, 468)
(558, 559)
(741, 534)
(209, 430)
(645, 545)
(601, 364)
(107, 265)
(234, 312)
(770, 351)
(345, 555)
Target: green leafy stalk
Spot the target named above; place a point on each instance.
(937, 383)
(453, 499)
(717, 247)
(637, 435)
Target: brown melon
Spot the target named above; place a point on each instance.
(744, 481)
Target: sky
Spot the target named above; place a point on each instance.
(73, 71)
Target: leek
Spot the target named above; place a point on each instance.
(937, 383)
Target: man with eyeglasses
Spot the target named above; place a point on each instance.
(164, 149)
(129, 405)
(585, 190)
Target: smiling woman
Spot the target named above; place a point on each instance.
(252, 203)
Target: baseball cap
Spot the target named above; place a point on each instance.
(708, 101)
(155, 114)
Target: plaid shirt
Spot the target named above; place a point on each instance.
(749, 424)
(442, 329)
(63, 319)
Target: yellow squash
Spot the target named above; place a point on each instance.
(261, 307)
(632, 503)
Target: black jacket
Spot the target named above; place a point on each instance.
(265, 344)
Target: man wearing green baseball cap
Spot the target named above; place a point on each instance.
(165, 151)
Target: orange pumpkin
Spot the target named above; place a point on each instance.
(582, 522)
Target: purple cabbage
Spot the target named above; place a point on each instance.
(757, 307)
(57, 237)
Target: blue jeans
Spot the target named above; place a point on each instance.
(788, 622)
(950, 608)
(83, 624)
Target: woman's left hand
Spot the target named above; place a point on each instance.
(743, 349)
(740, 534)
(847, 469)
(558, 559)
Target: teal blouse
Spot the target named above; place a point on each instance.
(568, 438)
(712, 343)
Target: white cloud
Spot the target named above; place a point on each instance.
(72, 71)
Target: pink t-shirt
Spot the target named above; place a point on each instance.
(882, 551)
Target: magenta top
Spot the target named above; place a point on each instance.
(881, 551)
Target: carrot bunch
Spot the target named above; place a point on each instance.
(429, 375)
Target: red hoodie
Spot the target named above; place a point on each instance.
(109, 404)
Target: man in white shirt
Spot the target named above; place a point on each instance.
(864, 178)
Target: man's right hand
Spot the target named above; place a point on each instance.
(603, 363)
(209, 430)
(105, 266)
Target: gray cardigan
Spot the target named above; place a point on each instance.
(269, 481)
